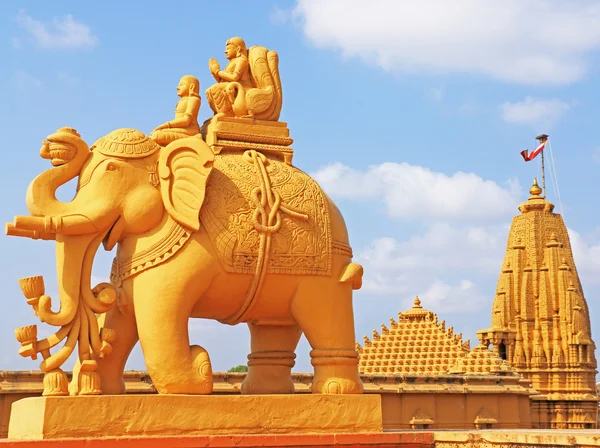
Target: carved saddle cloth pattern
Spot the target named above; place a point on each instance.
(298, 247)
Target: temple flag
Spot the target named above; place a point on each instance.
(533, 153)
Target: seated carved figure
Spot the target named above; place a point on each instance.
(250, 86)
(185, 123)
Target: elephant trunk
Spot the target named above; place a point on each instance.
(77, 236)
(68, 153)
(71, 253)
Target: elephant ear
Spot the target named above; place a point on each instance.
(184, 166)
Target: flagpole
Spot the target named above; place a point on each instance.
(542, 138)
(543, 178)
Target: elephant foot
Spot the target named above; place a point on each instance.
(336, 372)
(203, 369)
(269, 372)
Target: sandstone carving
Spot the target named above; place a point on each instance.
(235, 234)
(249, 86)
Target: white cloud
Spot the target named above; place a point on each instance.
(587, 258)
(442, 252)
(63, 32)
(533, 42)
(453, 268)
(463, 297)
(415, 192)
(539, 113)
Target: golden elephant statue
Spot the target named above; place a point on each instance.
(236, 237)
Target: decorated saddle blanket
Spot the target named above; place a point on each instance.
(300, 228)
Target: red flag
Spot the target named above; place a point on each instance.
(533, 153)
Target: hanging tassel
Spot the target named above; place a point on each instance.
(153, 175)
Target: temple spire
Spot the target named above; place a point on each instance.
(540, 319)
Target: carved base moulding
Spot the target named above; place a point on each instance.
(269, 137)
(513, 439)
(347, 440)
(141, 415)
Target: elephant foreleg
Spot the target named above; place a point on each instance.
(323, 310)
(162, 310)
(111, 367)
(271, 359)
(174, 366)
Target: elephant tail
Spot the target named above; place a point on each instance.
(352, 273)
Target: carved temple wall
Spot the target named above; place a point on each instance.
(408, 401)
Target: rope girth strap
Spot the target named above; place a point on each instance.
(266, 219)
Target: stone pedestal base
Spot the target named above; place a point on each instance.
(166, 415)
(240, 134)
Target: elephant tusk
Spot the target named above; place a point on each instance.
(74, 224)
(30, 223)
(11, 230)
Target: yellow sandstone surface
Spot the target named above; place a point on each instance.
(134, 415)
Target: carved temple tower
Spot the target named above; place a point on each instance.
(540, 319)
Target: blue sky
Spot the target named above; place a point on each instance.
(411, 117)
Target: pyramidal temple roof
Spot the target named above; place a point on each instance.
(416, 343)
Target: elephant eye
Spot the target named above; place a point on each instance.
(111, 167)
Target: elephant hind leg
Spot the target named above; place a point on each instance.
(271, 359)
(323, 309)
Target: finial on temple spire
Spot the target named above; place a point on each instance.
(417, 302)
(535, 189)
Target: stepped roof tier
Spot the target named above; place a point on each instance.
(481, 360)
(418, 344)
